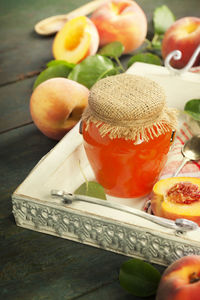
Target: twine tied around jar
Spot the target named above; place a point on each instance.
(130, 107)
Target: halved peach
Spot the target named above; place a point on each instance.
(177, 197)
(76, 40)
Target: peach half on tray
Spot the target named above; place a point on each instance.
(177, 197)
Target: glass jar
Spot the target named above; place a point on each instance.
(124, 169)
(127, 136)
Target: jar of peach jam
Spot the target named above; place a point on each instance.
(127, 131)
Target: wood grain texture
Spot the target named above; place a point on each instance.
(14, 103)
(22, 50)
(20, 150)
(45, 267)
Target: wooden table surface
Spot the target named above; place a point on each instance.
(34, 265)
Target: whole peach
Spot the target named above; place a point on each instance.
(183, 35)
(76, 40)
(181, 280)
(121, 20)
(56, 106)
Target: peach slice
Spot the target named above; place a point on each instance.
(177, 197)
(76, 40)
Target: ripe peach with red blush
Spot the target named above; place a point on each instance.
(56, 105)
(123, 21)
(181, 280)
(183, 35)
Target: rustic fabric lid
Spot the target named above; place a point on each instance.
(128, 106)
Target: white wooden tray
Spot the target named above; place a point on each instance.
(122, 232)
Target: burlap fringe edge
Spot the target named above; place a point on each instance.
(137, 134)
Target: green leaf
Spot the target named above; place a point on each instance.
(156, 42)
(110, 72)
(53, 63)
(51, 72)
(192, 107)
(148, 58)
(163, 18)
(91, 69)
(92, 189)
(114, 49)
(139, 278)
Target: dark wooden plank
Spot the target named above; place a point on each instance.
(20, 150)
(46, 267)
(23, 52)
(14, 104)
(112, 291)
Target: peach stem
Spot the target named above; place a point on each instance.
(194, 277)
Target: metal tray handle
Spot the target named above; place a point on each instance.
(177, 54)
(179, 225)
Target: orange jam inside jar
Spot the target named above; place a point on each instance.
(126, 160)
(122, 168)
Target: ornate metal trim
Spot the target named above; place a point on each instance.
(101, 233)
(177, 54)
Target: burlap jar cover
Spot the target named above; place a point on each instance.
(130, 107)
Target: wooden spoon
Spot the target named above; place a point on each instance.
(53, 24)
